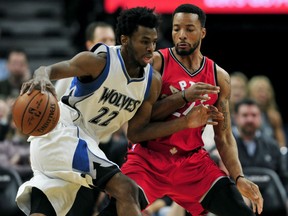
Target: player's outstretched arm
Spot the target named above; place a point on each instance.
(140, 127)
(84, 64)
(198, 91)
(227, 146)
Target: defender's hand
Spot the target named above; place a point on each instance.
(201, 115)
(200, 91)
(250, 190)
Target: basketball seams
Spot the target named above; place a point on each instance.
(24, 113)
(40, 120)
(36, 114)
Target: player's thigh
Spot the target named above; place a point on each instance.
(122, 187)
(84, 203)
(40, 204)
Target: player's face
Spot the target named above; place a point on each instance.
(141, 45)
(187, 33)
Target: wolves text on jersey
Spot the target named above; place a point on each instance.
(119, 100)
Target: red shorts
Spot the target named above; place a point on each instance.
(185, 178)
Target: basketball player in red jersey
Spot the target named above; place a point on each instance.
(177, 165)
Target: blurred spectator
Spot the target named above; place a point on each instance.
(257, 150)
(95, 32)
(177, 210)
(4, 119)
(99, 32)
(159, 207)
(15, 153)
(261, 90)
(3, 69)
(239, 90)
(18, 68)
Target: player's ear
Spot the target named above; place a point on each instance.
(203, 33)
(88, 44)
(124, 39)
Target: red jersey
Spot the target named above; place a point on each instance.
(177, 78)
(176, 165)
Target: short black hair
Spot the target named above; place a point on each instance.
(190, 8)
(129, 20)
(13, 50)
(89, 33)
(245, 101)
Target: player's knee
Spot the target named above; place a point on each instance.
(128, 190)
(123, 188)
(224, 199)
(142, 199)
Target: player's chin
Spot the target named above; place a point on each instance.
(146, 60)
(143, 64)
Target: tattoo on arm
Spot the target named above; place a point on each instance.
(225, 113)
(224, 104)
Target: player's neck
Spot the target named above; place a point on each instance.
(191, 62)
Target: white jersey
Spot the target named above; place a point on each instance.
(103, 105)
(69, 156)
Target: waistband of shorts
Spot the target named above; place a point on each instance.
(172, 150)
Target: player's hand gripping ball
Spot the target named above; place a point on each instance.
(36, 114)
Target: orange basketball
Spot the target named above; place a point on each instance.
(36, 114)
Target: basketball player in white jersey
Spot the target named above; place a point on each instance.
(112, 86)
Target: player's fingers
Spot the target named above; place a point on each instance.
(206, 92)
(204, 96)
(23, 88)
(259, 202)
(27, 87)
(53, 91)
(209, 122)
(206, 86)
(254, 207)
(32, 86)
(201, 91)
(257, 206)
(256, 198)
(43, 87)
(212, 108)
(215, 114)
